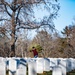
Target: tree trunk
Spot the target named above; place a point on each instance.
(13, 50)
(12, 53)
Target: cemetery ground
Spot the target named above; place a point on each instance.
(71, 73)
(49, 73)
(44, 73)
(39, 66)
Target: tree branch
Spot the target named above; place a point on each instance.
(7, 11)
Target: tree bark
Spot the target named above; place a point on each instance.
(12, 53)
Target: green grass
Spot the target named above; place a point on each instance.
(7, 72)
(71, 73)
(49, 73)
(46, 73)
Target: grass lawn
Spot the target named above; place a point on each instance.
(71, 73)
(50, 73)
(46, 73)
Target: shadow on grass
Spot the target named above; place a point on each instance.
(71, 73)
(46, 73)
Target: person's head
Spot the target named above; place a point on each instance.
(33, 47)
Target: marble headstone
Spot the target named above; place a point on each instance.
(12, 66)
(2, 68)
(40, 65)
(56, 71)
(63, 66)
(32, 68)
(46, 64)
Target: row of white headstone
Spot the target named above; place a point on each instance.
(20, 66)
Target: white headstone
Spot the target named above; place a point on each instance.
(21, 70)
(72, 63)
(7, 63)
(62, 64)
(46, 64)
(2, 68)
(21, 67)
(56, 71)
(32, 68)
(12, 66)
(53, 63)
(68, 65)
(40, 65)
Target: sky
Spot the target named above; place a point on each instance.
(65, 15)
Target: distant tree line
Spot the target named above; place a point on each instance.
(48, 44)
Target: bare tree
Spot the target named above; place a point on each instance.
(4, 46)
(45, 41)
(68, 41)
(19, 14)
